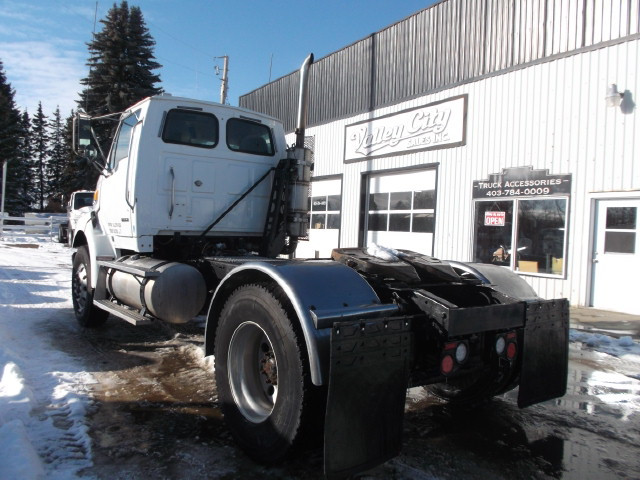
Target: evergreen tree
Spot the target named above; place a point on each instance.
(57, 156)
(40, 137)
(21, 171)
(9, 135)
(121, 67)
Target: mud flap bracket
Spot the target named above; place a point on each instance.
(370, 362)
(545, 358)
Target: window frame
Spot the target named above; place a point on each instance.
(190, 112)
(268, 130)
(113, 161)
(389, 210)
(515, 228)
(324, 212)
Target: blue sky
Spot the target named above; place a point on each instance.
(43, 42)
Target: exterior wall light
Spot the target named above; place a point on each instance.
(613, 97)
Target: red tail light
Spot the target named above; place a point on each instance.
(512, 350)
(446, 364)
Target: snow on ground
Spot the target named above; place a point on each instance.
(43, 402)
(44, 392)
(623, 347)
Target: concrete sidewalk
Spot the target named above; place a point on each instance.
(606, 322)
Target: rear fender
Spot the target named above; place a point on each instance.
(501, 278)
(318, 291)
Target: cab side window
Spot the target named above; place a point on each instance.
(249, 137)
(123, 142)
(185, 127)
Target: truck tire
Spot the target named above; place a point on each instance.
(262, 377)
(87, 314)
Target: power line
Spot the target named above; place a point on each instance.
(196, 49)
(200, 72)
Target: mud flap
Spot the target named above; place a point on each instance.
(370, 362)
(545, 355)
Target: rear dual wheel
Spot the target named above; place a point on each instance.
(263, 382)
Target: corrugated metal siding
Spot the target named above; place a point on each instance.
(551, 116)
(451, 42)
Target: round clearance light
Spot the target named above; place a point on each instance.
(512, 350)
(461, 352)
(500, 344)
(446, 364)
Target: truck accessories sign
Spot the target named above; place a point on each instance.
(521, 182)
(437, 125)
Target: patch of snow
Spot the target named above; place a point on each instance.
(20, 460)
(623, 347)
(43, 391)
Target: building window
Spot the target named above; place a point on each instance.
(401, 211)
(526, 234)
(620, 235)
(325, 212)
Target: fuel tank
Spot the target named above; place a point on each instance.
(173, 292)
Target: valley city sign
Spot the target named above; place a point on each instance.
(436, 125)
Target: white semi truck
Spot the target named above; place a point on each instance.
(198, 209)
(78, 200)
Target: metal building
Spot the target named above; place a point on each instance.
(500, 131)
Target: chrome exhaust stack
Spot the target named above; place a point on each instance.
(302, 162)
(303, 101)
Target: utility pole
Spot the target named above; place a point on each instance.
(224, 86)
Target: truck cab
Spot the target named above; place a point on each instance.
(79, 201)
(176, 164)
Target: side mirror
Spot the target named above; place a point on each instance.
(81, 133)
(85, 144)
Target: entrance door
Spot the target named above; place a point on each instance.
(324, 231)
(616, 256)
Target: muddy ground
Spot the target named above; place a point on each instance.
(156, 415)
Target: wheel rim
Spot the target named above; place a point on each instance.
(253, 372)
(80, 287)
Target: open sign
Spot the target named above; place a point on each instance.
(494, 219)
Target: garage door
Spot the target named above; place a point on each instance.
(401, 210)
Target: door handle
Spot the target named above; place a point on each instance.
(173, 191)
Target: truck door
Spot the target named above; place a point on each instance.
(116, 202)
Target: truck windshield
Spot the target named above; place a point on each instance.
(197, 129)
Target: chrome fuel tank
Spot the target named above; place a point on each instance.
(175, 293)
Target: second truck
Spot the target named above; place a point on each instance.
(199, 208)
